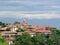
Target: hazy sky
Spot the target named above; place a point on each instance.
(31, 6)
(35, 11)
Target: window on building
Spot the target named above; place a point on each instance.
(30, 28)
(12, 35)
(46, 28)
(5, 36)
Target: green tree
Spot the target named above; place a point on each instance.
(16, 22)
(20, 30)
(3, 41)
(56, 36)
(39, 39)
(24, 39)
(2, 24)
(49, 41)
(54, 39)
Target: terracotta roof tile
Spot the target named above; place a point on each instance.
(9, 32)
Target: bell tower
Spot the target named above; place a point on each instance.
(24, 22)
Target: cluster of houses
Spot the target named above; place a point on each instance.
(10, 31)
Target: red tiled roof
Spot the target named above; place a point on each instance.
(52, 27)
(9, 32)
(43, 31)
(3, 29)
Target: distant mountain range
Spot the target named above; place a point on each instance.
(48, 22)
(10, 20)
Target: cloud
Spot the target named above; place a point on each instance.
(18, 14)
(42, 6)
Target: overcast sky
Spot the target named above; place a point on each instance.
(35, 11)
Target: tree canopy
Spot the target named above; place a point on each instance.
(2, 40)
(16, 22)
(26, 39)
(2, 24)
(20, 30)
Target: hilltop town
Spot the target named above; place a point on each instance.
(10, 30)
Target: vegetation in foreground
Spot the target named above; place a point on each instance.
(26, 39)
(3, 41)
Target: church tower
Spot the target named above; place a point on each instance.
(24, 23)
